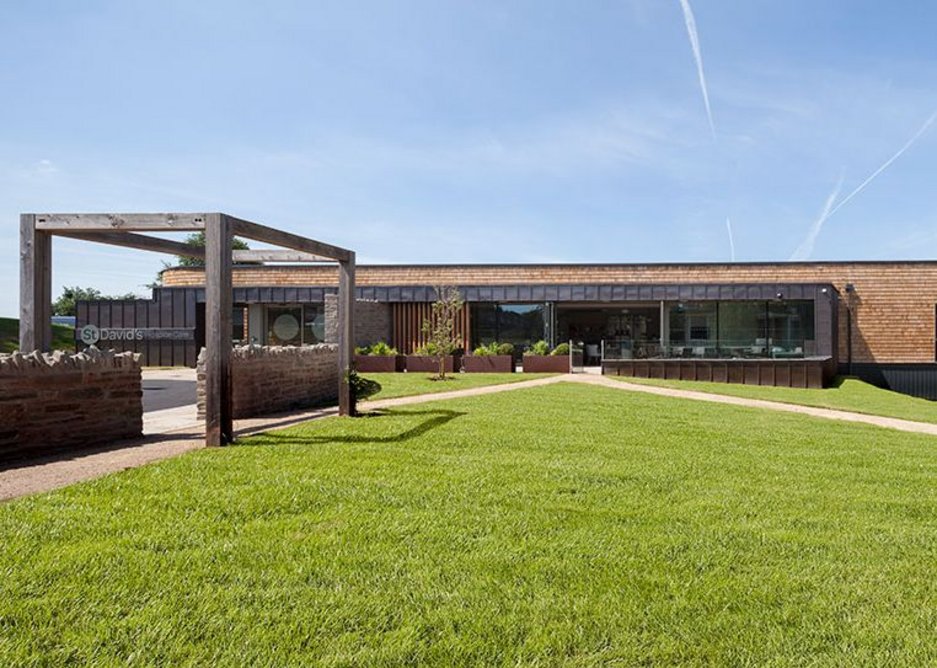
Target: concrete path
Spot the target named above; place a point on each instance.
(44, 474)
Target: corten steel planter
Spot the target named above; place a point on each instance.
(546, 363)
(379, 363)
(427, 364)
(488, 364)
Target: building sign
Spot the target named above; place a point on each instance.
(90, 334)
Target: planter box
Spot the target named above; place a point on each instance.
(379, 363)
(427, 364)
(546, 363)
(488, 364)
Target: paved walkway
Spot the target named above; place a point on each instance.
(183, 433)
(827, 413)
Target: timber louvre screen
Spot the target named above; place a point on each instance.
(37, 230)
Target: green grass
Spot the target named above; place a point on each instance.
(561, 525)
(63, 338)
(846, 394)
(409, 384)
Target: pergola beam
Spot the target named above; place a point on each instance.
(140, 241)
(124, 222)
(244, 228)
(278, 255)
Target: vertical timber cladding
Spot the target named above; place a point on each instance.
(408, 321)
(170, 309)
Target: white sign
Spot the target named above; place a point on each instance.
(90, 334)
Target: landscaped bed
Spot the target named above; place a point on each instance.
(846, 394)
(566, 524)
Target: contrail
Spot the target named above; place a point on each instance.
(917, 135)
(697, 55)
(731, 238)
(806, 247)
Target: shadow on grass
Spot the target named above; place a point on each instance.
(437, 418)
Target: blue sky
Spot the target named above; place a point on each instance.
(476, 132)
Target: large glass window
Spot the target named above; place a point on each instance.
(313, 324)
(692, 329)
(238, 325)
(520, 324)
(742, 329)
(284, 326)
(295, 325)
(790, 329)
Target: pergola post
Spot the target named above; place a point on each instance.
(219, 429)
(35, 286)
(346, 334)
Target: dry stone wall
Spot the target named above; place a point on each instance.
(273, 379)
(58, 400)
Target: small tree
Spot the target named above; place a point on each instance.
(65, 304)
(440, 327)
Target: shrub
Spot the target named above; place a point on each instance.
(382, 349)
(539, 348)
(494, 348)
(561, 349)
(426, 350)
(361, 387)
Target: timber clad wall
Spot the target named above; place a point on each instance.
(408, 326)
(893, 313)
(59, 400)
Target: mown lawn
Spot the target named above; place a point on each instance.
(409, 384)
(566, 524)
(63, 338)
(846, 394)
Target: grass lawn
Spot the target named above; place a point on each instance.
(847, 394)
(566, 524)
(409, 384)
(63, 338)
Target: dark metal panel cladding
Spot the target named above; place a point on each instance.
(166, 321)
(178, 321)
(524, 293)
(191, 347)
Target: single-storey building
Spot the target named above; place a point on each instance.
(796, 323)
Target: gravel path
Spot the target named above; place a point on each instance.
(43, 474)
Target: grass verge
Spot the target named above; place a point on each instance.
(846, 394)
(63, 338)
(409, 384)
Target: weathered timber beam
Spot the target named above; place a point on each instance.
(278, 256)
(129, 222)
(140, 241)
(244, 228)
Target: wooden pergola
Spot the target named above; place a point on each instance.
(37, 230)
